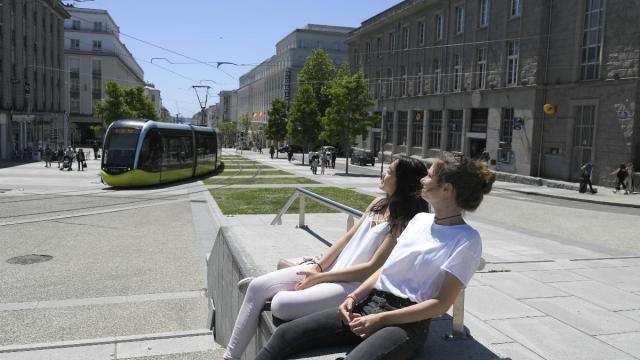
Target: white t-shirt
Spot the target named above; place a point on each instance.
(363, 245)
(416, 267)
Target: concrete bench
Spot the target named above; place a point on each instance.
(242, 251)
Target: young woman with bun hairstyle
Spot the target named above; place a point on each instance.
(388, 315)
(311, 287)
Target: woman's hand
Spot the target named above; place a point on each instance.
(346, 310)
(311, 277)
(363, 326)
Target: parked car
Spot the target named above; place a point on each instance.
(295, 148)
(362, 157)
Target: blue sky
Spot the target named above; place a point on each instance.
(241, 31)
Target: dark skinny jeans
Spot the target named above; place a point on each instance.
(325, 329)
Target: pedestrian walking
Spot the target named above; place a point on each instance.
(272, 150)
(585, 177)
(334, 155)
(323, 163)
(289, 153)
(80, 159)
(48, 154)
(60, 155)
(621, 174)
(95, 150)
(314, 163)
(327, 158)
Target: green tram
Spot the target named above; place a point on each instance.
(138, 153)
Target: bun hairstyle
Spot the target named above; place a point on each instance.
(405, 202)
(471, 179)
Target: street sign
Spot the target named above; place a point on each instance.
(518, 122)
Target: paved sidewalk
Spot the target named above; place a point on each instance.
(536, 298)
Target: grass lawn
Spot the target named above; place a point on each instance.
(258, 180)
(270, 201)
(252, 171)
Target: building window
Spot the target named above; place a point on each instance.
(484, 13)
(455, 130)
(439, 27)
(389, 87)
(356, 58)
(459, 20)
(421, 33)
(402, 128)
(74, 85)
(405, 38)
(388, 127)
(416, 129)
(592, 40)
(97, 26)
(479, 120)
(379, 47)
(75, 43)
(512, 62)
(435, 129)
(367, 51)
(403, 81)
(419, 79)
(392, 42)
(506, 126)
(481, 68)
(75, 24)
(437, 74)
(583, 134)
(96, 79)
(97, 45)
(457, 73)
(516, 8)
(378, 87)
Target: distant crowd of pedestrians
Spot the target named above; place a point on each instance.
(67, 157)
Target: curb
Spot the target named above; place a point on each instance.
(609, 203)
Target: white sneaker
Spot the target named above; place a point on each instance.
(244, 283)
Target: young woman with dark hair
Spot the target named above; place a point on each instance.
(388, 315)
(304, 289)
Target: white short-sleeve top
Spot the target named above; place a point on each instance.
(363, 244)
(416, 267)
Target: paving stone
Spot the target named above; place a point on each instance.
(619, 277)
(566, 342)
(549, 276)
(94, 352)
(606, 296)
(583, 315)
(515, 351)
(484, 332)
(518, 286)
(629, 342)
(632, 314)
(165, 346)
(488, 303)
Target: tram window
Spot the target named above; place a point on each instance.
(150, 155)
(120, 147)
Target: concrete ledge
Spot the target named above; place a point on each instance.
(251, 250)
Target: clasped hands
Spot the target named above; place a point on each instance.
(361, 325)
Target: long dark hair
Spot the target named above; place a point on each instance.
(405, 202)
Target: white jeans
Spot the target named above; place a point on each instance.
(287, 304)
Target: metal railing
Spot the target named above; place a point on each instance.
(458, 330)
(303, 193)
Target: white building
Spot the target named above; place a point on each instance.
(94, 55)
(154, 95)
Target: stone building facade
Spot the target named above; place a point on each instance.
(277, 77)
(94, 55)
(32, 97)
(474, 75)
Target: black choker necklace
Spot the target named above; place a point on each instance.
(436, 219)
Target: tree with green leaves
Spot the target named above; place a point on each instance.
(276, 128)
(228, 130)
(304, 119)
(317, 72)
(124, 103)
(347, 117)
(244, 124)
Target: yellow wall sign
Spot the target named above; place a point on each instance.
(549, 109)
